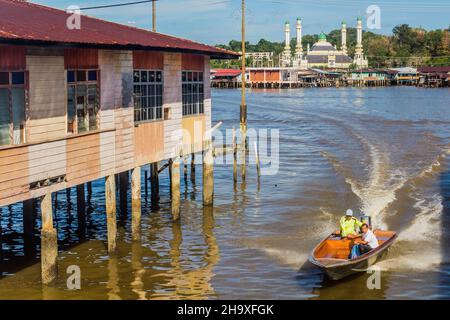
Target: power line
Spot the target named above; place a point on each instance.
(118, 5)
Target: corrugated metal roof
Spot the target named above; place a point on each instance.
(24, 22)
(225, 72)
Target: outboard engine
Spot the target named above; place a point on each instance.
(368, 220)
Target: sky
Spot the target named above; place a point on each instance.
(219, 21)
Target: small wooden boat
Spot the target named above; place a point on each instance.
(331, 255)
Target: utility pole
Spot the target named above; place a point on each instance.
(154, 15)
(243, 109)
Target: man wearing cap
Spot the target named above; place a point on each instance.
(349, 225)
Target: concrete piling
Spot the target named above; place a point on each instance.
(111, 221)
(136, 203)
(49, 242)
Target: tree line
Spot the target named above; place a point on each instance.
(407, 46)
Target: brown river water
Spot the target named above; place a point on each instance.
(382, 151)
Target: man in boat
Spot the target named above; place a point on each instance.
(368, 239)
(349, 225)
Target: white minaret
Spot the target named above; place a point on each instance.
(344, 38)
(359, 48)
(307, 48)
(287, 36)
(286, 56)
(299, 47)
(359, 60)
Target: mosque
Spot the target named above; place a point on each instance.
(323, 54)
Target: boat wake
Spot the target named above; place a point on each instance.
(418, 244)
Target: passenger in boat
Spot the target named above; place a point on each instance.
(349, 225)
(368, 239)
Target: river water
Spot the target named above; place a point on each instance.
(382, 151)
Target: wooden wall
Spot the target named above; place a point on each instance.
(270, 76)
(47, 98)
(172, 105)
(118, 145)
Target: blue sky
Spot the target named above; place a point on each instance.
(218, 21)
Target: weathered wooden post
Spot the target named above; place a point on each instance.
(123, 194)
(110, 200)
(208, 175)
(193, 168)
(29, 217)
(29, 214)
(49, 241)
(234, 156)
(146, 184)
(154, 181)
(258, 165)
(136, 203)
(81, 210)
(175, 187)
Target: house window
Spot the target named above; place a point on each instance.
(83, 100)
(193, 92)
(148, 95)
(12, 107)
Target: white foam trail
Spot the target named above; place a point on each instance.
(289, 258)
(423, 227)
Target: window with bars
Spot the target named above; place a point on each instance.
(148, 95)
(193, 92)
(83, 100)
(13, 94)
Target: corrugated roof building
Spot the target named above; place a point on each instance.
(78, 105)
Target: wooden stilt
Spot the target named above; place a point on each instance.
(29, 217)
(110, 199)
(136, 203)
(193, 168)
(258, 167)
(123, 194)
(146, 184)
(81, 210)
(154, 180)
(208, 175)
(49, 242)
(175, 187)
(235, 150)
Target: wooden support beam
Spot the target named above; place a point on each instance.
(175, 187)
(81, 210)
(193, 168)
(111, 219)
(136, 203)
(154, 181)
(29, 223)
(208, 175)
(123, 195)
(49, 242)
(235, 151)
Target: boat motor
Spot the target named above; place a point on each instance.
(368, 220)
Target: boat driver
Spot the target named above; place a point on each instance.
(349, 226)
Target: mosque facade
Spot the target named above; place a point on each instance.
(323, 54)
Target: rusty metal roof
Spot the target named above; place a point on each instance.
(22, 22)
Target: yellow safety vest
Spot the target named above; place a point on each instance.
(349, 226)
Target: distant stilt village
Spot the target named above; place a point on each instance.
(323, 65)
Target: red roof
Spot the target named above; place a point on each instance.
(433, 69)
(225, 72)
(29, 23)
